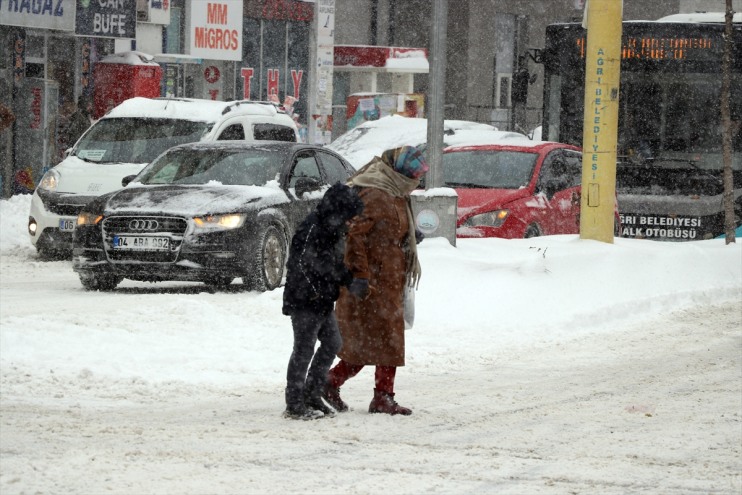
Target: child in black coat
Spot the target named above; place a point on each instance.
(315, 273)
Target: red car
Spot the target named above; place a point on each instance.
(515, 190)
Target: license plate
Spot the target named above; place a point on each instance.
(141, 243)
(67, 224)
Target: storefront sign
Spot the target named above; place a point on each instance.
(215, 30)
(86, 72)
(35, 108)
(44, 14)
(281, 10)
(212, 74)
(106, 18)
(154, 11)
(213, 78)
(272, 83)
(19, 57)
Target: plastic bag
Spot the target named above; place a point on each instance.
(409, 307)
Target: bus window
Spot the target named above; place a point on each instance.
(639, 125)
(693, 117)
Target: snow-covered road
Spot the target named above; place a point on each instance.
(547, 365)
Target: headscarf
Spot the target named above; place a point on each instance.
(407, 160)
(380, 173)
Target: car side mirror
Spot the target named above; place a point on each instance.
(550, 187)
(305, 185)
(127, 180)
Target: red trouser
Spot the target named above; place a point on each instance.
(344, 370)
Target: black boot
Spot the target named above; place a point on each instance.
(332, 396)
(302, 412)
(295, 408)
(383, 402)
(313, 400)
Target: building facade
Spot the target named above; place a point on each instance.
(49, 52)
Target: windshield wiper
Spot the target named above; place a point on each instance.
(469, 185)
(84, 159)
(695, 166)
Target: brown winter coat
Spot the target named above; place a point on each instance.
(373, 328)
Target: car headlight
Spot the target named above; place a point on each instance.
(50, 180)
(490, 219)
(87, 218)
(219, 222)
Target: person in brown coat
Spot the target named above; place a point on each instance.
(381, 254)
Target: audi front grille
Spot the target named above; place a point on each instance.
(146, 226)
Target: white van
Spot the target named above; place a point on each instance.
(126, 139)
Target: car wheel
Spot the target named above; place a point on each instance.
(269, 261)
(98, 281)
(532, 231)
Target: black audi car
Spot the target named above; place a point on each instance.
(208, 212)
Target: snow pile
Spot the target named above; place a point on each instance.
(546, 365)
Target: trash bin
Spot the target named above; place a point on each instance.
(435, 212)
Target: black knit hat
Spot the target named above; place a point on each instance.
(340, 199)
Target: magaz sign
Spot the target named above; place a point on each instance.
(215, 30)
(46, 14)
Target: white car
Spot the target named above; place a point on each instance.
(125, 140)
(360, 144)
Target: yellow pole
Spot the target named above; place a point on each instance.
(602, 76)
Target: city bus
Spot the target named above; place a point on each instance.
(669, 154)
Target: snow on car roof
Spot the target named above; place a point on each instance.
(469, 137)
(183, 108)
(712, 17)
(360, 144)
(129, 58)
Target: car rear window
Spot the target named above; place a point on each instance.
(273, 132)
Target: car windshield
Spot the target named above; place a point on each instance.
(225, 166)
(488, 169)
(136, 140)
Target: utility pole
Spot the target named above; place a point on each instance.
(437, 94)
(602, 79)
(726, 126)
(435, 209)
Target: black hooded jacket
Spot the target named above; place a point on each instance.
(315, 268)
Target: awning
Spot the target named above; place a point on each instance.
(390, 59)
(177, 58)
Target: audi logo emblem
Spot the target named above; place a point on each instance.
(144, 224)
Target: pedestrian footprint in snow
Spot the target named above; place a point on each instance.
(315, 273)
